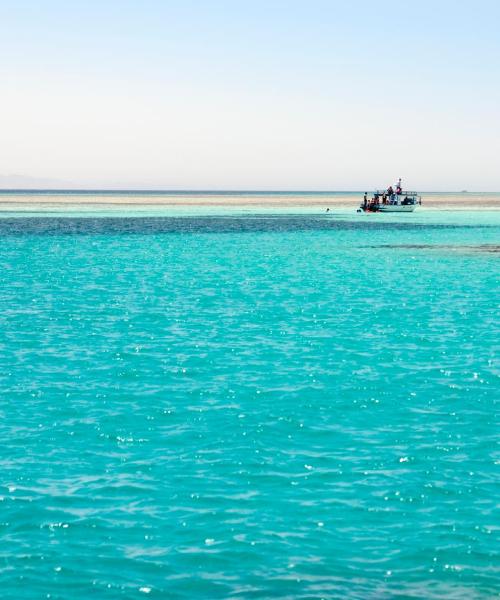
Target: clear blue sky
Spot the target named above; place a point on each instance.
(251, 94)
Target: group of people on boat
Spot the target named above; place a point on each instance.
(389, 196)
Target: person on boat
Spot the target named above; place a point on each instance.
(390, 194)
(365, 200)
(384, 198)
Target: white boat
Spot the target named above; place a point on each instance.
(391, 201)
(408, 207)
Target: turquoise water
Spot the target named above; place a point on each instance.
(249, 404)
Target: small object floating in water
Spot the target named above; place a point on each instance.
(391, 200)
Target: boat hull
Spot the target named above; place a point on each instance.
(397, 208)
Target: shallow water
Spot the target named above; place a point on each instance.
(250, 405)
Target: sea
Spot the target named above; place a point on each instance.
(248, 402)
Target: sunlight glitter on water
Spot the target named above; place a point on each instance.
(266, 405)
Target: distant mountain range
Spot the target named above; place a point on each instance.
(25, 182)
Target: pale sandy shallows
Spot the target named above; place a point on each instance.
(429, 200)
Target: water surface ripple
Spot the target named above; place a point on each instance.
(286, 413)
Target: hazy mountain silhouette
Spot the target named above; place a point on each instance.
(16, 181)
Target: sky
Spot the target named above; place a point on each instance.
(256, 95)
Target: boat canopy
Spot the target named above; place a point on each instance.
(403, 193)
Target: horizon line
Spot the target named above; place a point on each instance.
(216, 191)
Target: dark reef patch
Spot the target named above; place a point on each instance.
(199, 224)
(488, 248)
